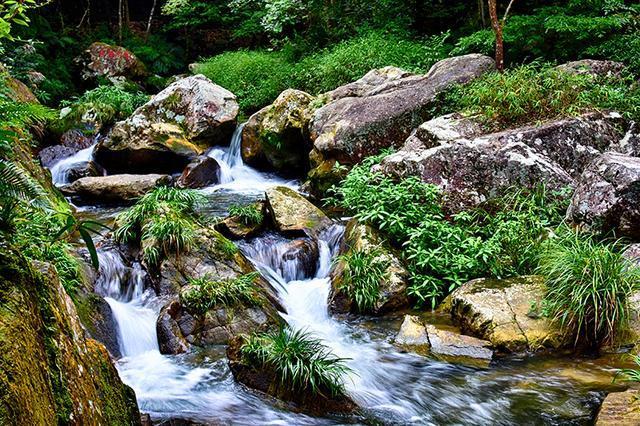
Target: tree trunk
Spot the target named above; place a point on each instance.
(120, 21)
(153, 10)
(496, 24)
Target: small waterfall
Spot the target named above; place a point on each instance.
(60, 170)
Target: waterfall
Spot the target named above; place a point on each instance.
(60, 170)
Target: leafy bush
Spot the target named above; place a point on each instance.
(162, 221)
(302, 362)
(249, 215)
(588, 286)
(500, 239)
(363, 271)
(205, 293)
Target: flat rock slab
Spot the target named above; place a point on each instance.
(114, 189)
(620, 409)
(292, 213)
(500, 311)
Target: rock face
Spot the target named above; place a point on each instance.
(392, 288)
(116, 189)
(607, 197)
(620, 409)
(201, 172)
(368, 82)
(424, 338)
(215, 257)
(51, 373)
(500, 311)
(450, 152)
(351, 128)
(275, 136)
(104, 60)
(291, 213)
(266, 381)
(594, 67)
(169, 131)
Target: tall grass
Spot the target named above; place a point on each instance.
(205, 293)
(588, 286)
(363, 272)
(249, 215)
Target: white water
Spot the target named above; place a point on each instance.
(236, 176)
(60, 170)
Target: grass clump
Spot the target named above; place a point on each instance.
(164, 221)
(588, 286)
(204, 293)
(249, 215)
(498, 239)
(533, 93)
(363, 272)
(300, 361)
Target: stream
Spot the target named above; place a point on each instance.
(393, 387)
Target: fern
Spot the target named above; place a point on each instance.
(16, 187)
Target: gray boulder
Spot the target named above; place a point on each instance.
(114, 189)
(607, 197)
(593, 67)
(201, 172)
(292, 213)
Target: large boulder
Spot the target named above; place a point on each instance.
(104, 60)
(52, 373)
(114, 189)
(620, 409)
(392, 288)
(169, 131)
(201, 172)
(351, 128)
(275, 137)
(593, 67)
(365, 84)
(504, 313)
(607, 197)
(291, 213)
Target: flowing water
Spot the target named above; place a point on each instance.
(393, 387)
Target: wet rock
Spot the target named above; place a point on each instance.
(170, 338)
(594, 67)
(501, 311)
(304, 254)
(367, 83)
(51, 155)
(620, 409)
(413, 334)
(104, 60)
(275, 137)
(291, 213)
(96, 316)
(266, 381)
(116, 189)
(83, 169)
(42, 338)
(235, 228)
(607, 197)
(392, 287)
(349, 129)
(172, 129)
(201, 172)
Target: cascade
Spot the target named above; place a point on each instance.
(60, 170)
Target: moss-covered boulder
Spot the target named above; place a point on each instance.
(392, 286)
(276, 136)
(291, 213)
(50, 373)
(505, 312)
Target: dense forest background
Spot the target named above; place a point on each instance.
(313, 45)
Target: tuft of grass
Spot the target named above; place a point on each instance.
(249, 215)
(300, 361)
(205, 293)
(163, 221)
(588, 286)
(363, 272)
(630, 374)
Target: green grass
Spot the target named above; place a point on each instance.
(249, 215)
(363, 272)
(205, 293)
(588, 286)
(163, 222)
(300, 361)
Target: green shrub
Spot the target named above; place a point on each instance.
(588, 286)
(249, 215)
(206, 293)
(363, 272)
(163, 222)
(500, 238)
(302, 363)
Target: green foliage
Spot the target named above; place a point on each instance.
(14, 12)
(105, 104)
(301, 362)
(162, 222)
(531, 93)
(588, 286)
(205, 293)
(249, 215)
(363, 272)
(630, 374)
(499, 239)
(17, 189)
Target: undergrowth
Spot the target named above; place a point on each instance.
(206, 293)
(363, 272)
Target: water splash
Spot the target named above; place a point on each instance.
(60, 171)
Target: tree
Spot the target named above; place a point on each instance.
(15, 12)
(497, 25)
